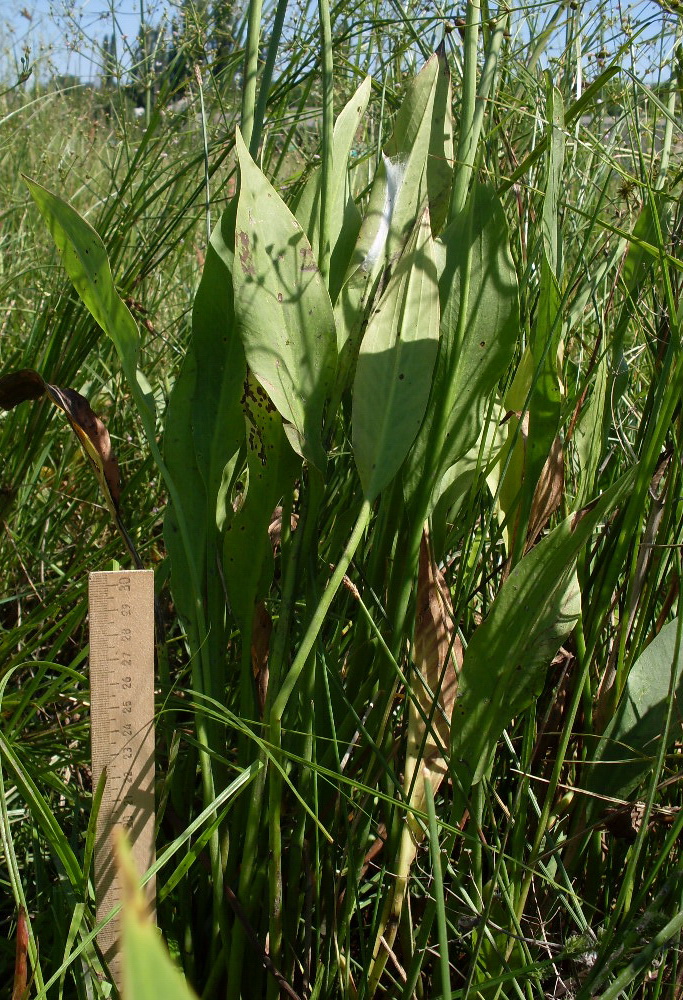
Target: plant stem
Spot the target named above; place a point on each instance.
(471, 127)
(441, 924)
(250, 74)
(267, 77)
(275, 734)
(467, 141)
(320, 614)
(328, 139)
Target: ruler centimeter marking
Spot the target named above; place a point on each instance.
(121, 606)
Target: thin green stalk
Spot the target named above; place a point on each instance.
(275, 733)
(328, 139)
(275, 863)
(249, 853)
(468, 141)
(544, 818)
(644, 958)
(320, 614)
(14, 873)
(267, 78)
(441, 924)
(292, 554)
(250, 73)
(205, 139)
(627, 884)
(201, 665)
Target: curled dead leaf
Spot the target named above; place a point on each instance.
(28, 384)
(438, 659)
(548, 493)
(438, 656)
(275, 528)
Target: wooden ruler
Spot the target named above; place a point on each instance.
(122, 724)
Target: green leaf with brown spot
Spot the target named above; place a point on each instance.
(283, 309)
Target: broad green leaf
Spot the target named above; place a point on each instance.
(506, 661)
(217, 422)
(545, 401)
(308, 206)
(272, 465)
(479, 328)
(147, 971)
(86, 263)
(283, 310)
(628, 748)
(441, 152)
(399, 188)
(204, 434)
(397, 199)
(395, 365)
(550, 217)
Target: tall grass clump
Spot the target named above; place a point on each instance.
(391, 360)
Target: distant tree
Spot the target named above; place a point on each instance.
(177, 69)
(109, 61)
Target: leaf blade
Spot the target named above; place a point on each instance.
(283, 309)
(395, 365)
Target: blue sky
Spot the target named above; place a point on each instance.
(69, 28)
(67, 32)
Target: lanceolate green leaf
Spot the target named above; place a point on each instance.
(86, 263)
(217, 419)
(283, 310)
(479, 328)
(506, 661)
(628, 748)
(395, 365)
(401, 187)
(308, 207)
(204, 433)
(441, 153)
